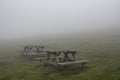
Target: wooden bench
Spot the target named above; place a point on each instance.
(82, 62)
(40, 58)
(45, 58)
(44, 61)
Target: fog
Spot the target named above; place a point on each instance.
(47, 18)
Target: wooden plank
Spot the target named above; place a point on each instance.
(75, 62)
(40, 58)
(38, 53)
(67, 63)
(50, 63)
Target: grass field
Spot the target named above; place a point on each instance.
(104, 54)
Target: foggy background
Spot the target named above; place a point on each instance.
(49, 18)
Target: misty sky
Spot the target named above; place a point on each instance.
(27, 18)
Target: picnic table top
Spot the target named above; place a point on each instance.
(59, 51)
(32, 46)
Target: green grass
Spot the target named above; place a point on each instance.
(104, 55)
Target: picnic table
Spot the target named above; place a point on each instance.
(56, 54)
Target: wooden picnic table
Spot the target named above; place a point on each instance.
(56, 54)
(29, 48)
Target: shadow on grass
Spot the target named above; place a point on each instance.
(73, 70)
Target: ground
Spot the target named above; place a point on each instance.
(104, 55)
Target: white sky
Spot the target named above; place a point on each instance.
(27, 18)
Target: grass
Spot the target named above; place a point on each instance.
(104, 55)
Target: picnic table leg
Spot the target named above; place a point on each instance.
(55, 56)
(27, 51)
(74, 58)
(30, 48)
(82, 65)
(37, 48)
(62, 68)
(65, 57)
(42, 48)
(44, 64)
(49, 54)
